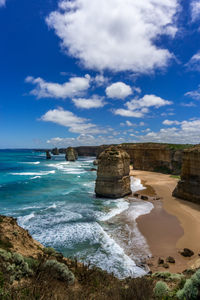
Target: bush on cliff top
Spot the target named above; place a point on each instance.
(190, 290)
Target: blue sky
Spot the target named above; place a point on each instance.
(85, 72)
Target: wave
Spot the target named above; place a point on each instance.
(32, 163)
(41, 173)
(136, 184)
(23, 220)
(121, 204)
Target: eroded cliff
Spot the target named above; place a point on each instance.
(188, 187)
(71, 154)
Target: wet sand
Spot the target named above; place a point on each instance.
(172, 225)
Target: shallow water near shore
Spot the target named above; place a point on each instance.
(55, 201)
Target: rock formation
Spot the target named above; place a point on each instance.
(95, 162)
(71, 154)
(188, 187)
(113, 180)
(48, 155)
(55, 151)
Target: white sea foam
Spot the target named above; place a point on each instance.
(41, 173)
(23, 220)
(136, 184)
(109, 256)
(32, 162)
(35, 177)
(121, 205)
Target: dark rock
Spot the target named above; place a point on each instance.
(55, 151)
(48, 155)
(166, 266)
(136, 195)
(95, 162)
(187, 252)
(144, 197)
(93, 169)
(160, 261)
(170, 260)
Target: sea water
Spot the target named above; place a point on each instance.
(55, 200)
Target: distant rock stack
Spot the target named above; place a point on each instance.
(71, 154)
(188, 187)
(55, 151)
(113, 180)
(48, 155)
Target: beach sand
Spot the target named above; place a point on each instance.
(172, 225)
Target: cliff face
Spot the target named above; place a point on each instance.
(71, 154)
(90, 150)
(154, 157)
(188, 187)
(113, 180)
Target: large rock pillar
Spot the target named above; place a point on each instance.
(113, 180)
(188, 187)
(71, 154)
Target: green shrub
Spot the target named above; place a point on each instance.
(32, 263)
(168, 276)
(161, 290)
(189, 291)
(59, 271)
(5, 255)
(18, 258)
(49, 251)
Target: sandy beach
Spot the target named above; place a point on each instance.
(172, 225)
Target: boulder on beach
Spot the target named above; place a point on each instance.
(48, 155)
(71, 154)
(113, 180)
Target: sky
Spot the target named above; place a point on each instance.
(82, 72)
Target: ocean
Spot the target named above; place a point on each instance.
(55, 200)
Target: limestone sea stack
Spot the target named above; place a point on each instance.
(188, 187)
(113, 180)
(71, 154)
(48, 155)
(55, 151)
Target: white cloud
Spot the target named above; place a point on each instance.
(87, 140)
(2, 2)
(70, 120)
(118, 90)
(188, 132)
(194, 94)
(195, 10)
(170, 122)
(194, 62)
(74, 87)
(118, 35)
(189, 104)
(87, 103)
(100, 80)
(139, 107)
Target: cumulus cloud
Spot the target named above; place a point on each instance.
(139, 107)
(118, 90)
(76, 86)
(2, 2)
(170, 122)
(194, 94)
(195, 10)
(88, 103)
(68, 119)
(194, 62)
(188, 132)
(118, 35)
(87, 140)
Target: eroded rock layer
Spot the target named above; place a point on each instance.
(188, 187)
(113, 180)
(71, 154)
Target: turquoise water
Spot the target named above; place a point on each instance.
(55, 201)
